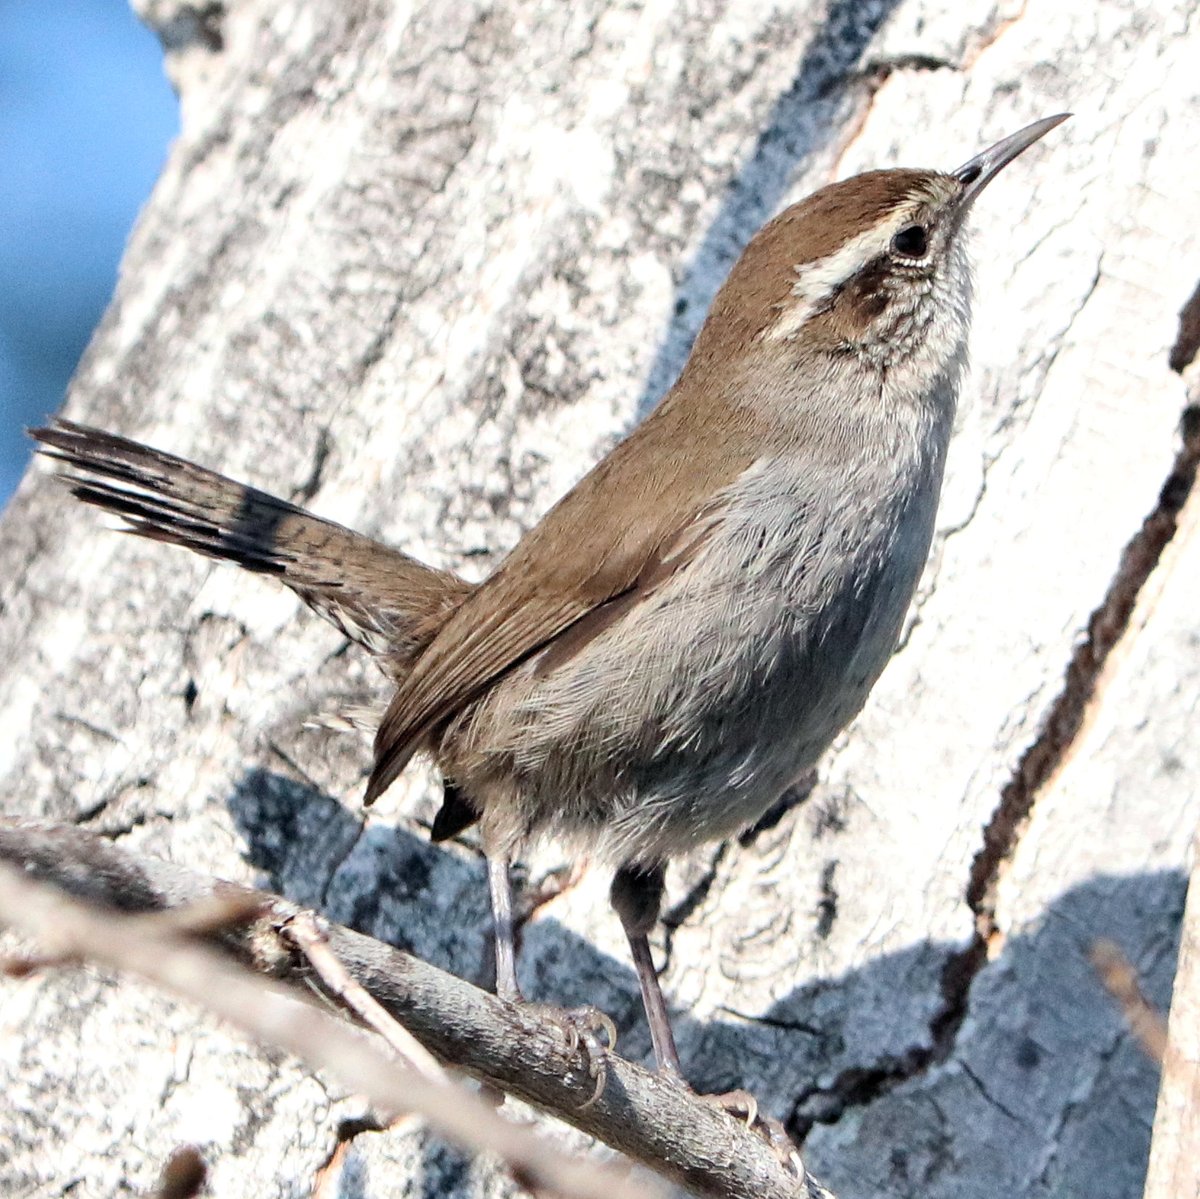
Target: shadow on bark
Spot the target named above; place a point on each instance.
(1038, 1032)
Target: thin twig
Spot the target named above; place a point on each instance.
(650, 1118)
(304, 931)
(278, 1016)
(1145, 1021)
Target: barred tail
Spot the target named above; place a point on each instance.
(386, 601)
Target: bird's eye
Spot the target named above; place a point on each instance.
(911, 242)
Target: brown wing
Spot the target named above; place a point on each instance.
(590, 548)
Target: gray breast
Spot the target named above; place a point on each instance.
(687, 717)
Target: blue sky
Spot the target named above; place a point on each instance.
(86, 118)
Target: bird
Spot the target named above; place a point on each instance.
(682, 635)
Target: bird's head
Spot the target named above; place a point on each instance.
(874, 266)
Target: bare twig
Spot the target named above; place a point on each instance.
(650, 1118)
(206, 917)
(220, 912)
(278, 1016)
(304, 931)
(1145, 1021)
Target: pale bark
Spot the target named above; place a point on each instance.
(1174, 1170)
(417, 266)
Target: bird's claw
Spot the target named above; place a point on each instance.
(588, 1029)
(739, 1104)
(743, 1106)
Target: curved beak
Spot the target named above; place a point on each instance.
(976, 174)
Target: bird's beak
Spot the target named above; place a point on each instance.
(983, 168)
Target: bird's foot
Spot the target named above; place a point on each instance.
(743, 1106)
(584, 1029)
(739, 1104)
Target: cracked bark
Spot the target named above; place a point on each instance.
(403, 261)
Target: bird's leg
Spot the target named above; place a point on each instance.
(581, 1028)
(636, 895)
(500, 887)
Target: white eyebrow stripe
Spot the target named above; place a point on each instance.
(817, 281)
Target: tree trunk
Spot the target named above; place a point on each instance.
(1175, 1155)
(416, 266)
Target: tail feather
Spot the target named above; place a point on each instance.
(386, 601)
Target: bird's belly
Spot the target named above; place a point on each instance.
(687, 718)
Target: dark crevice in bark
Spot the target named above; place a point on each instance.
(863, 1085)
(309, 488)
(854, 1087)
(1187, 342)
(878, 69)
(531, 895)
(858, 1086)
(1105, 628)
(803, 1026)
(345, 1133)
(353, 1126)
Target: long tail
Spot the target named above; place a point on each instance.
(386, 601)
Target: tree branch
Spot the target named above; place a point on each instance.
(152, 948)
(651, 1119)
